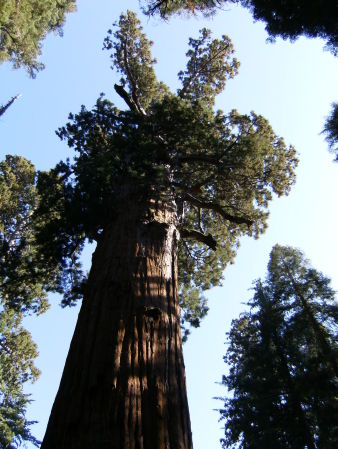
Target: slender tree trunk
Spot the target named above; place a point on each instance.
(123, 385)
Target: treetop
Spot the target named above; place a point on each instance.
(224, 167)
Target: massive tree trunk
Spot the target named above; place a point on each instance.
(123, 385)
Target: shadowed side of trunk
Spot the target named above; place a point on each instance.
(123, 385)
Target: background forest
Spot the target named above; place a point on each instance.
(292, 85)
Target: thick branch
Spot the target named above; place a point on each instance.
(124, 95)
(218, 209)
(200, 237)
(134, 106)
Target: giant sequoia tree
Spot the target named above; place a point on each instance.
(287, 19)
(23, 26)
(166, 188)
(283, 361)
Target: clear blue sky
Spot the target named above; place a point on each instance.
(292, 85)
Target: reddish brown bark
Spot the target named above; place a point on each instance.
(123, 385)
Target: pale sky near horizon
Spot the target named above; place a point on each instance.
(292, 85)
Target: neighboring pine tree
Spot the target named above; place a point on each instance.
(258, 411)
(23, 285)
(24, 25)
(167, 180)
(17, 352)
(282, 360)
(308, 293)
(287, 19)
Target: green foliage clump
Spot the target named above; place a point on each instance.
(23, 26)
(220, 169)
(282, 360)
(331, 129)
(209, 66)
(23, 276)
